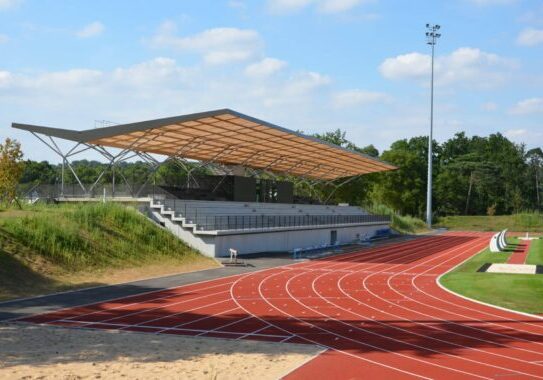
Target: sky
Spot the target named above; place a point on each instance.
(312, 65)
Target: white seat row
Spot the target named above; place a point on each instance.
(498, 243)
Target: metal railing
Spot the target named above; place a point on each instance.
(50, 191)
(251, 222)
(183, 209)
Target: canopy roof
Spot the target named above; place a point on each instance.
(228, 137)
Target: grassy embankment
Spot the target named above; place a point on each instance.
(49, 248)
(403, 223)
(514, 291)
(522, 222)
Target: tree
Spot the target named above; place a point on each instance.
(11, 170)
(404, 190)
(535, 160)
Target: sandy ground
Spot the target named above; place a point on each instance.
(46, 352)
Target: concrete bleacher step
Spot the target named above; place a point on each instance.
(223, 215)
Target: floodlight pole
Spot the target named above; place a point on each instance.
(432, 37)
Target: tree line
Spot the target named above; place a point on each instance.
(472, 175)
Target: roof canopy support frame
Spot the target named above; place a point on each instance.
(112, 160)
(115, 159)
(55, 148)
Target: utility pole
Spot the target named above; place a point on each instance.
(431, 38)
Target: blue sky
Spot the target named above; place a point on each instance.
(311, 65)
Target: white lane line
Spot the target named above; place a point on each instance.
(430, 324)
(177, 314)
(161, 307)
(440, 319)
(354, 327)
(124, 327)
(523, 322)
(287, 266)
(463, 315)
(367, 255)
(405, 330)
(313, 341)
(445, 320)
(122, 306)
(203, 318)
(230, 324)
(256, 331)
(359, 342)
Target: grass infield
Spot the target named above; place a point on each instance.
(514, 291)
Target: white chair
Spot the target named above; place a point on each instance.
(233, 255)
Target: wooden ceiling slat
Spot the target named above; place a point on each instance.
(278, 149)
(155, 145)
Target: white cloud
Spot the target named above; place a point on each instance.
(527, 106)
(150, 74)
(515, 133)
(156, 88)
(489, 106)
(216, 45)
(91, 30)
(287, 6)
(325, 6)
(357, 97)
(4, 39)
(532, 137)
(9, 4)
(305, 82)
(532, 17)
(412, 66)
(469, 66)
(484, 3)
(265, 67)
(335, 6)
(236, 4)
(530, 37)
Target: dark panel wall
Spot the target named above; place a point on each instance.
(244, 189)
(285, 192)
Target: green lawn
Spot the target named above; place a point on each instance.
(525, 222)
(535, 255)
(513, 291)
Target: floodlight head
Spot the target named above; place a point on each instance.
(427, 25)
(437, 27)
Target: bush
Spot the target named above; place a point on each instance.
(402, 223)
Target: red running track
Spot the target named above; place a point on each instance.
(520, 254)
(379, 313)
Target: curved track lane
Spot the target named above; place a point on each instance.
(379, 313)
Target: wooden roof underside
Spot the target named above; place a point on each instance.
(230, 138)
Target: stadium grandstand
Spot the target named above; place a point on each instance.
(245, 199)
